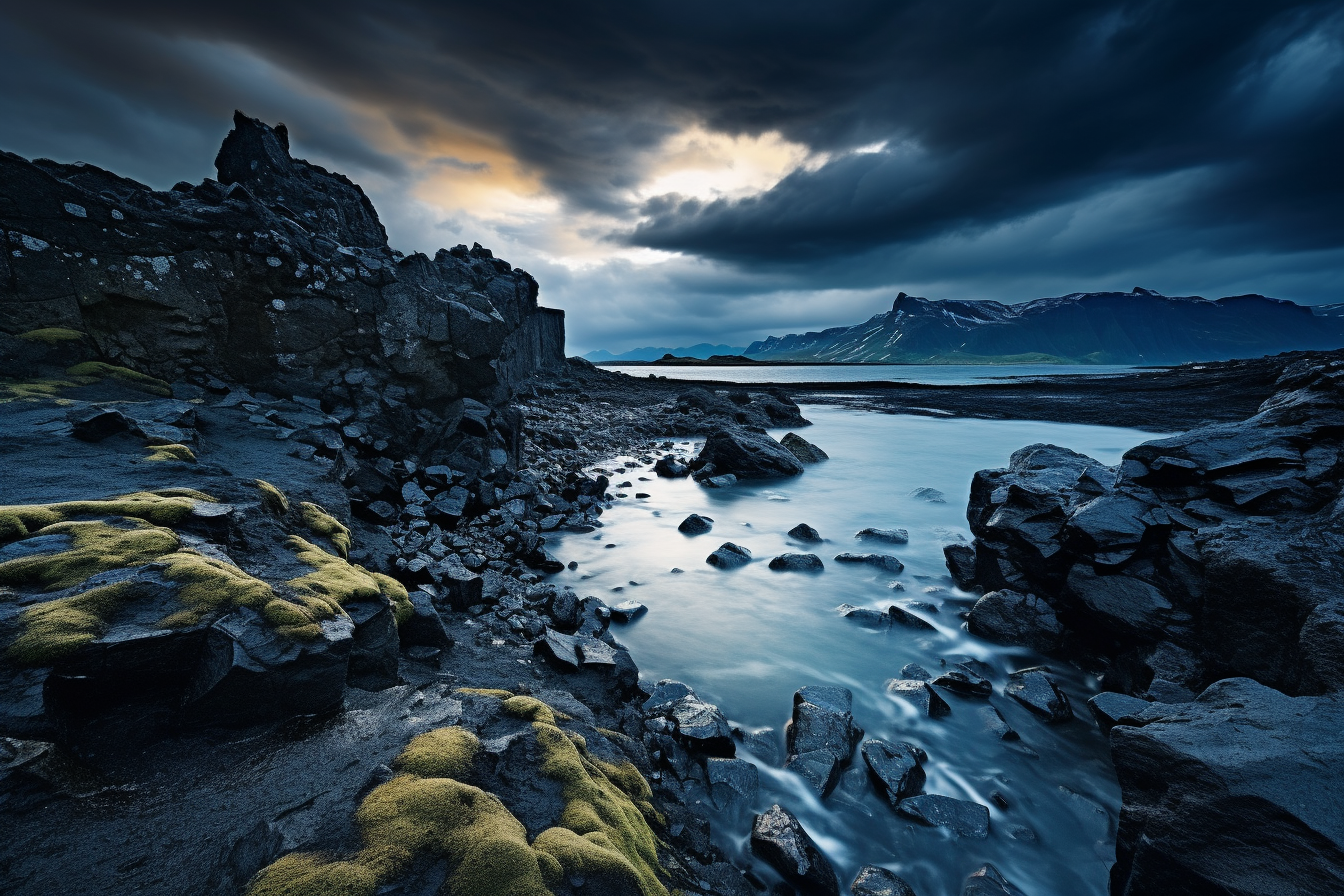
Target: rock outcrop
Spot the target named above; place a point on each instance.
(277, 274)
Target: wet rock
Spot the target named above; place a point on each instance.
(819, 768)
(627, 610)
(464, 587)
(919, 695)
(822, 720)
(1037, 691)
(875, 881)
(987, 881)
(729, 556)
(764, 744)
(930, 495)
(748, 455)
(1122, 602)
(797, 563)
(964, 681)
(1023, 620)
(906, 619)
(881, 561)
(890, 536)
(1111, 709)
(1257, 792)
(995, 724)
(962, 817)
(726, 480)
(894, 768)
(696, 723)
(731, 781)
(804, 532)
(802, 449)
(695, 524)
(915, 671)
(375, 648)
(960, 560)
(780, 841)
(671, 467)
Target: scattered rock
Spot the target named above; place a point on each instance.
(695, 524)
(875, 881)
(919, 695)
(1038, 692)
(964, 681)
(802, 449)
(797, 563)
(962, 817)
(881, 561)
(890, 536)
(1023, 620)
(671, 467)
(931, 495)
(627, 610)
(987, 881)
(894, 768)
(804, 532)
(729, 556)
(780, 841)
(747, 455)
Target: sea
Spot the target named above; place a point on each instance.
(747, 639)
(923, 374)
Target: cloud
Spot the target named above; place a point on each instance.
(703, 170)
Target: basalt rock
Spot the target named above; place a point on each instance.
(780, 841)
(278, 274)
(747, 455)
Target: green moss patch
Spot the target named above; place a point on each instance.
(272, 498)
(12, 390)
(98, 370)
(319, 522)
(172, 452)
(52, 335)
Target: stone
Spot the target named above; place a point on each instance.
(819, 768)
(930, 495)
(960, 560)
(780, 841)
(699, 725)
(695, 524)
(875, 881)
(964, 681)
(374, 652)
(919, 695)
(729, 556)
(1022, 620)
(1236, 792)
(1121, 602)
(906, 619)
(1037, 691)
(748, 455)
(881, 561)
(797, 563)
(670, 467)
(731, 781)
(804, 532)
(826, 727)
(987, 881)
(961, 817)
(1111, 709)
(726, 480)
(865, 616)
(627, 610)
(464, 586)
(802, 449)
(894, 768)
(995, 723)
(915, 671)
(890, 536)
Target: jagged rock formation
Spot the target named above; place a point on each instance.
(1141, 327)
(1215, 553)
(278, 275)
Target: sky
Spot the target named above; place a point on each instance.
(675, 173)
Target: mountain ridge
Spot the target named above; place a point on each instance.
(1138, 327)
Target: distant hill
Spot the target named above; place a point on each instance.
(701, 351)
(1139, 327)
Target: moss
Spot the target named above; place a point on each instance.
(210, 585)
(58, 628)
(98, 547)
(319, 522)
(335, 582)
(301, 874)
(171, 452)
(101, 370)
(11, 390)
(530, 708)
(162, 508)
(272, 498)
(402, 608)
(441, 753)
(51, 335)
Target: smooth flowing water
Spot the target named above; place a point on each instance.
(747, 639)
(925, 374)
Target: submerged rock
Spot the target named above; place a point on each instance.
(802, 449)
(780, 841)
(747, 455)
(875, 881)
(987, 881)
(729, 556)
(962, 817)
(964, 681)
(919, 695)
(881, 561)
(797, 563)
(890, 536)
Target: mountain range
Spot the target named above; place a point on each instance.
(648, 353)
(1138, 327)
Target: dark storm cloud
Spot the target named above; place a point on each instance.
(1214, 128)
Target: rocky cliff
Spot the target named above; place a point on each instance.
(278, 274)
(1140, 327)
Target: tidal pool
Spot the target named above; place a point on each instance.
(746, 639)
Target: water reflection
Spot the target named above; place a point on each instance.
(746, 639)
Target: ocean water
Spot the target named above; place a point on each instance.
(924, 374)
(747, 639)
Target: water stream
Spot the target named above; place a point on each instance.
(748, 638)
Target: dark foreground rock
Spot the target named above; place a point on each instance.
(989, 881)
(729, 556)
(779, 840)
(746, 455)
(1233, 793)
(802, 449)
(797, 563)
(875, 881)
(961, 817)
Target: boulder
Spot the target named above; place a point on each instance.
(1037, 691)
(987, 881)
(748, 455)
(1121, 603)
(1236, 792)
(780, 841)
(961, 817)
(819, 768)
(424, 627)
(1023, 620)
(906, 619)
(919, 695)
(960, 560)
(802, 449)
(890, 536)
(671, 467)
(695, 524)
(875, 881)
(376, 647)
(865, 616)
(797, 563)
(965, 681)
(697, 724)
(995, 723)
(732, 782)
(881, 561)
(627, 610)
(822, 720)
(895, 769)
(1111, 709)
(729, 556)
(804, 532)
